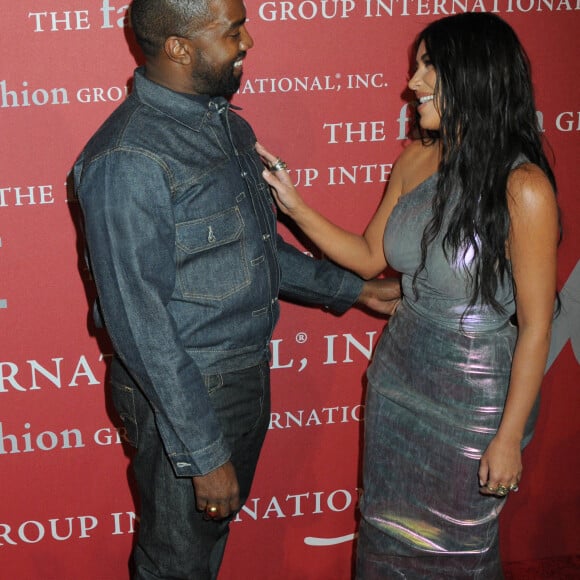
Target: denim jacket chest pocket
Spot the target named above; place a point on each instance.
(211, 256)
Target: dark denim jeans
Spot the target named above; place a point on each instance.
(174, 540)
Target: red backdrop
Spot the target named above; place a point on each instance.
(323, 87)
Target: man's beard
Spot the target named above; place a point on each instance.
(215, 82)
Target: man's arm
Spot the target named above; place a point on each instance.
(321, 282)
(130, 234)
(381, 295)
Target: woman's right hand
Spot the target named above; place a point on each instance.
(285, 194)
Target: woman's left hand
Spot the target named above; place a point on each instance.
(286, 195)
(500, 467)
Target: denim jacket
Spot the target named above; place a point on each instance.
(181, 234)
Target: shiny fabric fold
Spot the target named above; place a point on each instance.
(434, 402)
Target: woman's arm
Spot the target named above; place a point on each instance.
(532, 246)
(362, 254)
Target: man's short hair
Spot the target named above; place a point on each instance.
(154, 21)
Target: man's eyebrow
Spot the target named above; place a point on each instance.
(238, 23)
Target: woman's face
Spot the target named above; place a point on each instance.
(422, 83)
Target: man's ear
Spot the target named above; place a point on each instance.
(178, 50)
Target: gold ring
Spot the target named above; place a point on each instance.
(492, 489)
(278, 165)
(211, 511)
(502, 490)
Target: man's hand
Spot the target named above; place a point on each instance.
(218, 493)
(381, 295)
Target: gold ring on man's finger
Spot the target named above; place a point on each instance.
(211, 511)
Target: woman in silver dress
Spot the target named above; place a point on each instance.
(470, 220)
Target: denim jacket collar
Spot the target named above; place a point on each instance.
(189, 110)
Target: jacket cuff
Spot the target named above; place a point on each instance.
(200, 462)
(348, 292)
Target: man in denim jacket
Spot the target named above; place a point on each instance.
(182, 239)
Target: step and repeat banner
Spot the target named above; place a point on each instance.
(325, 88)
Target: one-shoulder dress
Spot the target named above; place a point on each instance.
(436, 390)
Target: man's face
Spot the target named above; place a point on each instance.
(220, 49)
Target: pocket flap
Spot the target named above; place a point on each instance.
(215, 230)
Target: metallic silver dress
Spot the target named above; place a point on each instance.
(437, 386)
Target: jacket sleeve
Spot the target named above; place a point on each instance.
(130, 231)
(312, 281)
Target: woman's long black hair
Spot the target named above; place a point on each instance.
(485, 98)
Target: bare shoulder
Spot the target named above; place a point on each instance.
(534, 233)
(530, 190)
